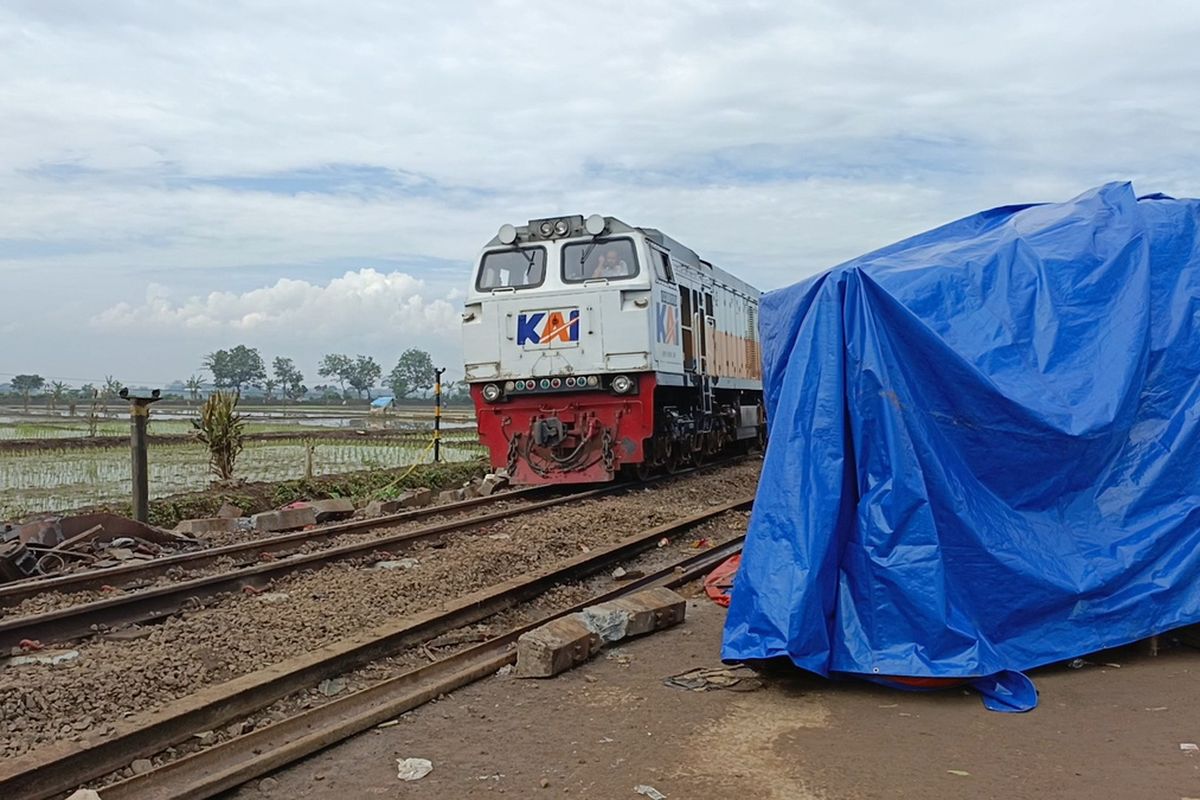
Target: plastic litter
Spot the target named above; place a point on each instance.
(737, 679)
(51, 657)
(399, 563)
(718, 584)
(413, 769)
(610, 624)
(649, 791)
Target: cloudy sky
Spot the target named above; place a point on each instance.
(309, 177)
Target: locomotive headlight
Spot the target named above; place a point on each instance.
(491, 393)
(593, 380)
(562, 228)
(546, 228)
(509, 386)
(622, 384)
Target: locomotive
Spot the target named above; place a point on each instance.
(593, 347)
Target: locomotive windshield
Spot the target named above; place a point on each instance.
(613, 259)
(519, 268)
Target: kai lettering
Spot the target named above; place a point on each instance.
(547, 327)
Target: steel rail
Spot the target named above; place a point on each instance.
(13, 593)
(231, 763)
(149, 605)
(63, 766)
(16, 592)
(85, 619)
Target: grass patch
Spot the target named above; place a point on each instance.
(361, 487)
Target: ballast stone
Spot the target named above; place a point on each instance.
(491, 483)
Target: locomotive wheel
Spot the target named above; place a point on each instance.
(643, 470)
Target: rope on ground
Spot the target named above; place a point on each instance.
(420, 460)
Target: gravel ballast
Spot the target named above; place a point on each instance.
(232, 635)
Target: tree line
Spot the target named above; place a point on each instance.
(241, 367)
(58, 392)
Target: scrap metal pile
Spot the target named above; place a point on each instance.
(92, 541)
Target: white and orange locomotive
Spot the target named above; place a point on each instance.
(592, 346)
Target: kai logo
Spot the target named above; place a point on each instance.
(548, 327)
(668, 324)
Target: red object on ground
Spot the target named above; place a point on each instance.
(30, 645)
(719, 583)
(923, 683)
(588, 418)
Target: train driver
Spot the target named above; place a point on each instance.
(611, 265)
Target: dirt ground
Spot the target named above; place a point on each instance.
(611, 725)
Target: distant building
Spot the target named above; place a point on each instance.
(381, 404)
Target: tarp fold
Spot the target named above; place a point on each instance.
(983, 447)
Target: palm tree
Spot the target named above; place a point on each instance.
(58, 390)
(193, 385)
(112, 387)
(269, 389)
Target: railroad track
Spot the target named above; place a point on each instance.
(152, 604)
(14, 593)
(63, 766)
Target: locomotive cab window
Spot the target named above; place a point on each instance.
(662, 267)
(520, 268)
(613, 259)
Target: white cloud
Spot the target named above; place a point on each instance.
(363, 311)
(396, 302)
(778, 137)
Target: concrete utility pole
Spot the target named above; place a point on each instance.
(139, 415)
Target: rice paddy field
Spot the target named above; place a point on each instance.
(177, 421)
(45, 478)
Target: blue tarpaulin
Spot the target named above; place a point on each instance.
(984, 450)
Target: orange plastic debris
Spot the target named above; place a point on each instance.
(719, 583)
